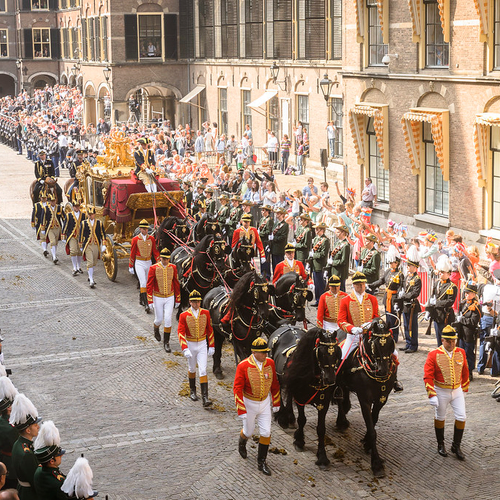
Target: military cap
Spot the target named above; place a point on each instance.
(165, 253)
(195, 295)
(90, 210)
(246, 217)
(42, 152)
(23, 413)
(223, 197)
(279, 210)
(260, 345)
(144, 223)
(471, 287)
(7, 393)
(290, 247)
(371, 237)
(209, 190)
(143, 140)
(264, 207)
(305, 217)
(342, 227)
(80, 151)
(321, 225)
(358, 277)
(247, 203)
(236, 198)
(187, 183)
(45, 454)
(449, 332)
(334, 280)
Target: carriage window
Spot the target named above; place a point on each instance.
(99, 198)
(90, 191)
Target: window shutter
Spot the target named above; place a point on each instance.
(315, 29)
(282, 32)
(229, 11)
(207, 31)
(269, 30)
(104, 28)
(186, 21)
(28, 44)
(84, 40)
(337, 29)
(170, 35)
(131, 49)
(98, 39)
(53, 4)
(302, 30)
(54, 43)
(254, 41)
(26, 5)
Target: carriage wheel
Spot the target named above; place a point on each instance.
(110, 259)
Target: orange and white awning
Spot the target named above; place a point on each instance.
(412, 130)
(417, 16)
(483, 11)
(416, 8)
(359, 6)
(482, 125)
(383, 15)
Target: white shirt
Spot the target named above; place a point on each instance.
(63, 140)
(258, 363)
(289, 262)
(359, 297)
(272, 144)
(195, 313)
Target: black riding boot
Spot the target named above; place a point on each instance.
(242, 445)
(261, 459)
(142, 302)
(398, 386)
(204, 394)
(457, 439)
(157, 332)
(166, 339)
(192, 389)
(440, 438)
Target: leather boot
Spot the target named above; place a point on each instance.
(204, 394)
(192, 389)
(166, 339)
(145, 302)
(242, 446)
(440, 439)
(141, 298)
(398, 386)
(157, 333)
(261, 459)
(457, 439)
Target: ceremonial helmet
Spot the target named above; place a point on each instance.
(334, 280)
(290, 247)
(449, 332)
(443, 264)
(195, 295)
(471, 287)
(78, 482)
(358, 277)
(246, 217)
(90, 210)
(165, 253)
(7, 393)
(260, 345)
(412, 256)
(392, 255)
(144, 223)
(23, 413)
(47, 444)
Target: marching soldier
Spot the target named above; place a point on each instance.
(303, 238)
(37, 219)
(265, 229)
(329, 305)
(370, 260)
(48, 479)
(92, 237)
(223, 213)
(210, 202)
(319, 255)
(195, 330)
(255, 389)
(247, 231)
(43, 168)
(142, 249)
(163, 294)
(24, 417)
(8, 433)
(289, 265)
(73, 169)
(340, 255)
(71, 235)
(53, 220)
(145, 164)
(234, 216)
(278, 237)
(78, 482)
(411, 305)
(446, 377)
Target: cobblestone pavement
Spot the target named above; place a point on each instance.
(88, 360)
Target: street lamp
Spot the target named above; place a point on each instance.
(107, 73)
(326, 87)
(275, 71)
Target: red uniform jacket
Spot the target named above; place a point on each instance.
(163, 282)
(447, 373)
(328, 307)
(195, 329)
(283, 268)
(255, 384)
(142, 250)
(352, 313)
(252, 234)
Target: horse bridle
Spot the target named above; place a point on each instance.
(331, 350)
(383, 340)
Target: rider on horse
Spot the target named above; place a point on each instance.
(251, 233)
(289, 265)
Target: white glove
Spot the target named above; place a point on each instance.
(360, 269)
(329, 261)
(211, 351)
(311, 253)
(81, 249)
(148, 171)
(63, 242)
(187, 353)
(43, 233)
(276, 409)
(131, 270)
(228, 221)
(42, 181)
(103, 248)
(459, 317)
(434, 401)
(271, 237)
(401, 293)
(325, 275)
(308, 268)
(243, 416)
(432, 301)
(427, 316)
(356, 330)
(262, 260)
(177, 304)
(151, 305)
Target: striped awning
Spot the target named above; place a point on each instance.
(412, 131)
(483, 11)
(360, 20)
(357, 124)
(482, 125)
(415, 7)
(383, 15)
(444, 16)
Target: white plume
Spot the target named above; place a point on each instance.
(48, 435)
(392, 254)
(443, 264)
(412, 254)
(78, 482)
(3, 373)
(7, 389)
(21, 408)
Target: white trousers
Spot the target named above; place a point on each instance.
(199, 356)
(351, 342)
(453, 397)
(330, 326)
(142, 269)
(260, 412)
(164, 308)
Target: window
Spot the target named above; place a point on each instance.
(336, 116)
(150, 40)
(104, 29)
(223, 111)
(2, 5)
(229, 28)
(39, 4)
(66, 54)
(377, 172)
(186, 22)
(279, 44)
(246, 112)
(85, 54)
(98, 39)
(311, 29)
(41, 42)
(336, 24)
(253, 29)
(273, 115)
(74, 43)
(4, 44)
(303, 111)
(207, 38)
(495, 149)
(436, 188)
(496, 38)
(91, 26)
(377, 49)
(436, 49)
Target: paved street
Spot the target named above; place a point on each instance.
(88, 360)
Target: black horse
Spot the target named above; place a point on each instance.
(170, 232)
(289, 303)
(239, 317)
(202, 270)
(208, 224)
(240, 262)
(306, 364)
(370, 371)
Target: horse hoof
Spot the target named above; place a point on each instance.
(219, 375)
(379, 473)
(298, 448)
(323, 466)
(343, 426)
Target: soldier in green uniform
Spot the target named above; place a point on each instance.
(370, 260)
(303, 239)
(265, 229)
(234, 216)
(210, 202)
(338, 261)
(24, 416)
(319, 255)
(48, 478)
(8, 433)
(78, 482)
(279, 237)
(223, 213)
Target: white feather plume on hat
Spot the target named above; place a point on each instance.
(412, 254)
(3, 373)
(21, 409)
(78, 482)
(443, 264)
(392, 254)
(7, 389)
(47, 436)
